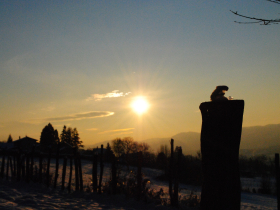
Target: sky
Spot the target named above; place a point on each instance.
(82, 64)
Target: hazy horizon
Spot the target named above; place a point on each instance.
(83, 63)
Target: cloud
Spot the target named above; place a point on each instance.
(113, 94)
(121, 133)
(92, 129)
(78, 116)
(117, 130)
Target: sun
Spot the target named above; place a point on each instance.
(140, 105)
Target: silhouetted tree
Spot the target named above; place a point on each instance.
(108, 153)
(118, 147)
(262, 21)
(49, 136)
(71, 136)
(10, 139)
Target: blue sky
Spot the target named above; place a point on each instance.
(56, 54)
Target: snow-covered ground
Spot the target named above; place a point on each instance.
(14, 195)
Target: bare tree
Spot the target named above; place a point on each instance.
(262, 21)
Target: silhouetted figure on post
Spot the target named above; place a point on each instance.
(220, 140)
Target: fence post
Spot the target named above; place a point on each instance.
(23, 167)
(80, 173)
(70, 174)
(94, 173)
(63, 173)
(101, 169)
(15, 165)
(177, 175)
(40, 167)
(277, 174)
(3, 164)
(139, 173)
(27, 169)
(56, 165)
(48, 168)
(32, 162)
(7, 168)
(76, 169)
(18, 166)
(171, 173)
(114, 175)
(12, 168)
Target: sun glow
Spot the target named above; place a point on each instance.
(140, 105)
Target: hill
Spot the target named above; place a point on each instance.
(254, 140)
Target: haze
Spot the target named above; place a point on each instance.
(81, 63)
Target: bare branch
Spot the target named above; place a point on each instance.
(258, 20)
(274, 1)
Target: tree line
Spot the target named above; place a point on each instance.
(49, 136)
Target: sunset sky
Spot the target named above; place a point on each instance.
(82, 64)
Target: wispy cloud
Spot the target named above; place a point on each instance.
(117, 130)
(113, 94)
(92, 129)
(78, 116)
(114, 134)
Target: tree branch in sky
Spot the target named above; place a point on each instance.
(262, 21)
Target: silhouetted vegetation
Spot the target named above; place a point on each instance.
(49, 136)
(10, 139)
(71, 137)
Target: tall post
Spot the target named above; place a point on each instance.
(114, 175)
(177, 175)
(63, 173)
(80, 173)
(56, 165)
(3, 164)
(27, 178)
(171, 170)
(48, 168)
(77, 183)
(40, 167)
(70, 174)
(220, 141)
(94, 172)
(101, 169)
(277, 174)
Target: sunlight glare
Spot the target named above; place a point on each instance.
(140, 105)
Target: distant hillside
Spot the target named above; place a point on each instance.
(254, 140)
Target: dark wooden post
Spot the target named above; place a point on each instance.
(18, 166)
(40, 167)
(139, 173)
(277, 174)
(32, 162)
(11, 167)
(80, 173)
(171, 170)
(177, 175)
(70, 174)
(56, 165)
(15, 165)
(77, 182)
(23, 166)
(101, 169)
(3, 164)
(48, 168)
(7, 168)
(94, 173)
(63, 173)
(220, 140)
(27, 169)
(114, 175)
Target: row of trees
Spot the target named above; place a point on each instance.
(50, 137)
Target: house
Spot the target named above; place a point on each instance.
(25, 143)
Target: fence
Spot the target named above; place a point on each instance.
(20, 166)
